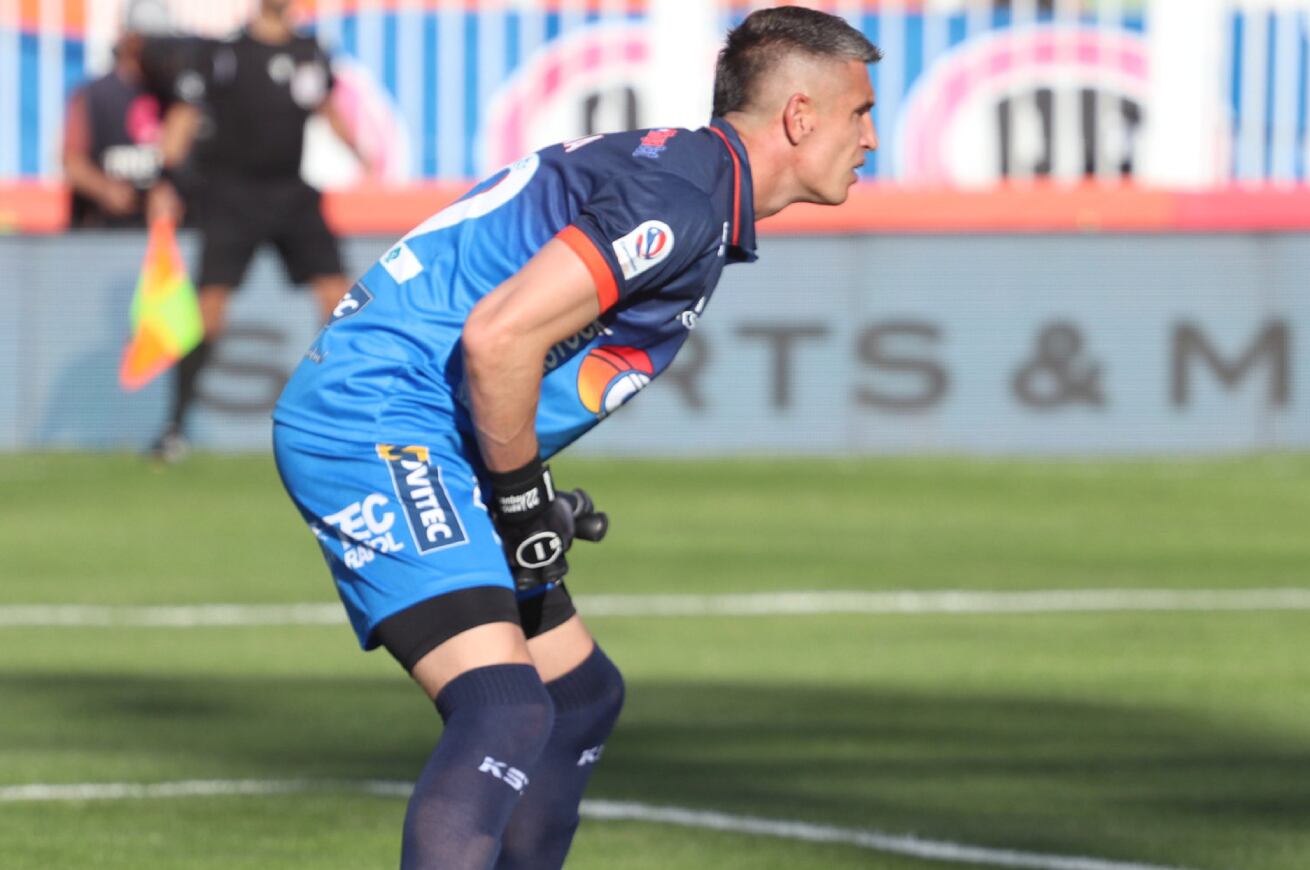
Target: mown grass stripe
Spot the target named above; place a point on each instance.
(599, 810)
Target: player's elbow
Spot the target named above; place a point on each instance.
(486, 338)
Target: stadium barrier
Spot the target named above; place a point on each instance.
(872, 208)
(1036, 343)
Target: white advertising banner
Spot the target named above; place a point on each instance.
(998, 344)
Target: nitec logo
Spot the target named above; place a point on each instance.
(433, 522)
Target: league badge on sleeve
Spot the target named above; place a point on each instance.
(644, 248)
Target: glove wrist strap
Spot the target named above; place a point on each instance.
(522, 494)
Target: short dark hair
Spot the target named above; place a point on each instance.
(769, 35)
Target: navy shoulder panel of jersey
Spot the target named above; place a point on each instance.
(650, 217)
(650, 228)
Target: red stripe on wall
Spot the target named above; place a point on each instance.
(872, 208)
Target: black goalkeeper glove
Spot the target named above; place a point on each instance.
(537, 525)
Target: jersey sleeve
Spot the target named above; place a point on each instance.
(322, 56)
(177, 69)
(640, 232)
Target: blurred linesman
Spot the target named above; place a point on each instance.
(244, 104)
(412, 436)
(112, 126)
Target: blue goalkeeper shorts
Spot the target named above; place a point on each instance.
(398, 523)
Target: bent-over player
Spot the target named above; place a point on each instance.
(412, 437)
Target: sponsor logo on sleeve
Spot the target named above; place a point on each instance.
(190, 87)
(644, 248)
(352, 303)
(348, 306)
(654, 142)
(433, 522)
(401, 264)
(309, 85)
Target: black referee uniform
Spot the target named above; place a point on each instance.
(244, 177)
(257, 98)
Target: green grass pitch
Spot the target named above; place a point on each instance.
(1173, 738)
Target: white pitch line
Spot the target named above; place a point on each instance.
(747, 604)
(959, 602)
(600, 810)
(169, 616)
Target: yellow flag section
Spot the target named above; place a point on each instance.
(166, 323)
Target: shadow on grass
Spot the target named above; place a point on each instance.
(1016, 772)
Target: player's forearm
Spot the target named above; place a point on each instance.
(503, 380)
(337, 122)
(505, 340)
(85, 177)
(180, 126)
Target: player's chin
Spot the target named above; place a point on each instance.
(841, 193)
(834, 194)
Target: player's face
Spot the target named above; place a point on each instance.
(276, 7)
(843, 134)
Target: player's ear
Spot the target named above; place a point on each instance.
(798, 117)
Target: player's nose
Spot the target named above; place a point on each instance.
(868, 135)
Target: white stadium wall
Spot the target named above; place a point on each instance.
(982, 344)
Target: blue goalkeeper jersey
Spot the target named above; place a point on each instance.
(654, 215)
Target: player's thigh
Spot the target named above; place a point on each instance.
(560, 650)
(308, 248)
(409, 545)
(493, 643)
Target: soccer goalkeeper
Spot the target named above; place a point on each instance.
(413, 436)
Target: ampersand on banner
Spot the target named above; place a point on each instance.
(1057, 375)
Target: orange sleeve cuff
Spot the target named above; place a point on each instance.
(607, 291)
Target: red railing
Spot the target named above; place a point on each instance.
(872, 208)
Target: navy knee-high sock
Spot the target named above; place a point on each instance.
(497, 719)
(587, 704)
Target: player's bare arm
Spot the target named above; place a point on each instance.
(181, 124)
(330, 113)
(505, 342)
(180, 127)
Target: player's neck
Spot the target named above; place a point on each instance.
(769, 187)
(128, 70)
(271, 29)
